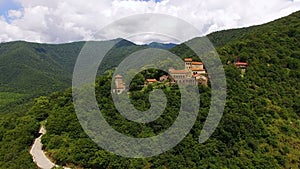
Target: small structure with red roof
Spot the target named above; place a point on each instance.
(151, 81)
(242, 65)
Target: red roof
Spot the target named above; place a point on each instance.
(241, 64)
(188, 59)
(197, 63)
(151, 80)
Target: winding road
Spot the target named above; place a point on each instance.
(38, 154)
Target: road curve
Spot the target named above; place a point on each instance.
(38, 154)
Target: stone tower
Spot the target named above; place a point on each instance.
(188, 63)
(120, 85)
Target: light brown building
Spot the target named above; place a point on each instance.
(188, 63)
(201, 79)
(194, 67)
(182, 77)
(199, 71)
(193, 73)
(150, 81)
(197, 65)
(164, 78)
(119, 85)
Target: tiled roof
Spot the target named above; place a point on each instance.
(241, 64)
(197, 63)
(151, 80)
(188, 59)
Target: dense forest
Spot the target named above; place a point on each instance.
(29, 70)
(259, 128)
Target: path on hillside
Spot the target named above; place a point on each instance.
(38, 154)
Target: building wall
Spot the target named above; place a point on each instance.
(188, 65)
(199, 72)
(180, 78)
(198, 66)
(120, 85)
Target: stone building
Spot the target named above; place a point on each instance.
(119, 85)
(194, 67)
(193, 73)
(164, 78)
(182, 77)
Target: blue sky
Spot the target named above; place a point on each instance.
(6, 5)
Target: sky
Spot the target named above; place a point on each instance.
(57, 21)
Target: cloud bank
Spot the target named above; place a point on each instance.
(59, 21)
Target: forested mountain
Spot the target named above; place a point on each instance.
(29, 69)
(260, 127)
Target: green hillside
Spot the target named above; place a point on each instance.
(30, 69)
(260, 127)
(43, 68)
(39, 68)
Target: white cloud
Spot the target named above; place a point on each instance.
(59, 21)
(14, 14)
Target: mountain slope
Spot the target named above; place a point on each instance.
(263, 105)
(285, 26)
(259, 128)
(35, 69)
(39, 68)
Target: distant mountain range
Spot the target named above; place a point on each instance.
(42, 68)
(162, 45)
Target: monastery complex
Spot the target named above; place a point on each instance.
(193, 74)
